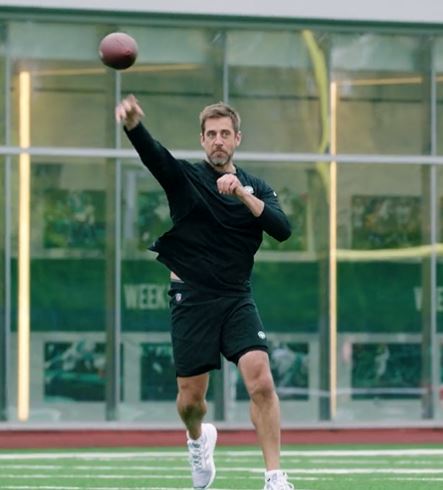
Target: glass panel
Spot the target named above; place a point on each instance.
(286, 283)
(439, 144)
(381, 278)
(67, 290)
(4, 284)
(13, 354)
(151, 388)
(3, 71)
(439, 71)
(278, 82)
(380, 90)
(174, 78)
(276, 90)
(439, 299)
(69, 86)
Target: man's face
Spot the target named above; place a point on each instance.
(219, 140)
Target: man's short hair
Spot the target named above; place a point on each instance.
(216, 111)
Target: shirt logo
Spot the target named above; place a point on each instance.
(178, 297)
(261, 334)
(249, 189)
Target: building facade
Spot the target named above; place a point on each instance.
(341, 113)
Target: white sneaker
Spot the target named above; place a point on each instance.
(201, 457)
(278, 481)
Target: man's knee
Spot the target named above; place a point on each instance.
(262, 388)
(260, 384)
(191, 393)
(257, 375)
(190, 398)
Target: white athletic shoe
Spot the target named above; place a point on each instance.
(201, 457)
(278, 481)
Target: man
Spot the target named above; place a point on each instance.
(219, 213)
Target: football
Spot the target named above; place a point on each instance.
(118, 50)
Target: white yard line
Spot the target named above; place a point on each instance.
(363, 471)
(95, 467)
(344, 452)
(418, 479)
(58, 487)
(299, 471)
(96, 455)
(231, 469)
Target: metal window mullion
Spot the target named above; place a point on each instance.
(118, 248)
(112, 270)
(348, 158)
(6, 330)
(436, 351)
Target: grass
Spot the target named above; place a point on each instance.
(309, 468)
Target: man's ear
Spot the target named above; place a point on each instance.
(202, 138)
(238, 137)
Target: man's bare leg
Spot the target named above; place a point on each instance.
(191, 403)
(265, 406)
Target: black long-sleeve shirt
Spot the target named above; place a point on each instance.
(214, 237)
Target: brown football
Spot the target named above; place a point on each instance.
(118, 50)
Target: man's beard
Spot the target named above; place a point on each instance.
(222, 159)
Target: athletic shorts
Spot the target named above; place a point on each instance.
(205, 326)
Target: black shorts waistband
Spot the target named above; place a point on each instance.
(183, 286)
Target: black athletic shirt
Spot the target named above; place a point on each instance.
(214, 237)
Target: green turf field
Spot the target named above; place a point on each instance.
(309, 468)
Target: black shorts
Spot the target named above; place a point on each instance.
(205, 326)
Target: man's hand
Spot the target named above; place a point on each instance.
(129, 112)
(229, 184)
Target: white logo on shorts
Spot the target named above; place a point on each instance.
(178, 297)
(261, 334)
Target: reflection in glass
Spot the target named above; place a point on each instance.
(386, 371)
(272, 85)
(380, 93)
(74, 219)
(438, 54)
(70, 87)
(385, 222)
(75, 371)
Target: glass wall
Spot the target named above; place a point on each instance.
(382, 107)
(438, 357)
(438, 216)
(271, 81)
(380, 93)
(70, 87)
(4, 251)
(346, 300)
(379, 292)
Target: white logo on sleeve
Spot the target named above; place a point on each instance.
(249, 189)
(262, 334)
(178, 297)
